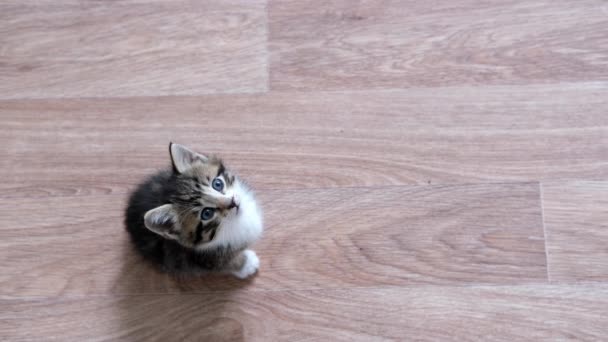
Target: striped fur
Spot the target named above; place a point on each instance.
(164, 220)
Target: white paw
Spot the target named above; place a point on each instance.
(252, 263)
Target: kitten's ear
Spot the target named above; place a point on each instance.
(182, 157)
(163, 221)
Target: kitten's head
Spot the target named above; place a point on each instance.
(205, 198)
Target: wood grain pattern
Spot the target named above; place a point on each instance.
(340, 238)
(293, 140)
(539, 313)
(131, 48)
(398, 148)
(343, 44)
(576, 218)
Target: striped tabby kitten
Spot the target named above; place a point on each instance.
(196, 218)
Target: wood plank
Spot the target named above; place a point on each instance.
(576, 219)
(323, 238)
(539, 313)
(342, 44)
(131, 48)
(326, 139)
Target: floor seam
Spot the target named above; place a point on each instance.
(546, 240)
(267, 45)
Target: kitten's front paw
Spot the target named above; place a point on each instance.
(251, 265)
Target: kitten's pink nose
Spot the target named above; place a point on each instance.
(234, 203)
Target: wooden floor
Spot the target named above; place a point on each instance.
(429, 170)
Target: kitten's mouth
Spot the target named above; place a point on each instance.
(235, 204)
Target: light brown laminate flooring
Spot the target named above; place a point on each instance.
(428, 170)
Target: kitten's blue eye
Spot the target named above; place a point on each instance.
(218, 184)
(207, 214)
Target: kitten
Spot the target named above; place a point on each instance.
(196, 218)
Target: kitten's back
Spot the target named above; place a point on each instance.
(153, 192)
